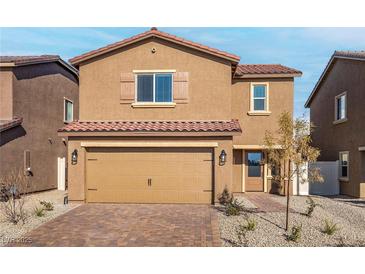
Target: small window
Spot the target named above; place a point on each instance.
(259, 95)
(254, 164)
(155, 87)
(340, 112)
(344, 164)
(68, 111)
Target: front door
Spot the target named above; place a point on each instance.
(254, 171)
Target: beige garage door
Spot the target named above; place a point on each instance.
(149, 175)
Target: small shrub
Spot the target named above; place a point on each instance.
(14, 186)
(241, 235)
(225, 198)
(39, 211)
(329, 227)
(251, 224)
(296, 234)
(233, 208)
(47, 205)
(311, 206)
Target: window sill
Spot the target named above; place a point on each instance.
(153, 105)
(344, 179)
(259, 113)
(340, 121)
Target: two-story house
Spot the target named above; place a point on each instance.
(38, 95)
(337, 111)
(167, 120)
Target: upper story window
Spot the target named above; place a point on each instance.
(340, 107)
(344, 165)
(154, 87)
(259, 98)
(68, 115)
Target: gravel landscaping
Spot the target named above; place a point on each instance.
(11, 232)
(269, 232)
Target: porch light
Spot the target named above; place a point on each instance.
(222, 158)
(74, 157)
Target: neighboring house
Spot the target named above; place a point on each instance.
(166, 120)
(38, 95)
(337, 110)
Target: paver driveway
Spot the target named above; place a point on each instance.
(130, 225)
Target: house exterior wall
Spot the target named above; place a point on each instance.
(222, 174)
(343, 76)
(213, 95)
(38, 97)
(6, 94)
(281, 98)
(209, 83)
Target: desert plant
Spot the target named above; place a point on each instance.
(329, 227)
(14, 187)
(241, 232)
(311, 206)
(225, 197)
(296, 234)
(251, 224)
(47, 205)
(290, 149)
(38, 211)
(233, 208)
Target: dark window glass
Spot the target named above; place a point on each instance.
(259, 97)
(254, 164)
(259, 104)
(341, 107)
(344, 171)
(163, 88)
(145, 88)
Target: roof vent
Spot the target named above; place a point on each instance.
(153, 28)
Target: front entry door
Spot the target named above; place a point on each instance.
(254, 171)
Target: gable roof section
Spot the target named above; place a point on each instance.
(352, 55)
(153, 32)
(14, 61)
(262, 70)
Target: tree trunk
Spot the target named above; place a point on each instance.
(287, 205)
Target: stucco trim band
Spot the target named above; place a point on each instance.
(149, 144)
(254, 147)
(362, 148)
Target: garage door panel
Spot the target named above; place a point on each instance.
(178, 175)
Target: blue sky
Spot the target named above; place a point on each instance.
(306, 49)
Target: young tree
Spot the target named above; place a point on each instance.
(290, 149)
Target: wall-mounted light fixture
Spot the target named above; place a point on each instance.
(74, 157)
(222, 158)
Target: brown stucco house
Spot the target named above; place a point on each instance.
(337, 111)
(38, 95)
(167, 120)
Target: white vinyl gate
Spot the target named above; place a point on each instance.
(330, 185)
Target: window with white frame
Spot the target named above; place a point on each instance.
(259, 97)
(154, 87)
(344, 164)
(340, 107)
(68, 111)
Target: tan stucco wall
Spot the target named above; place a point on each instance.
(76, 173)
(343, 76)
(209, 83)
(281, 96)
(6, 94)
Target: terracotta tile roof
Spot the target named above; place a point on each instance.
(249, 69)
(351, 54)
(7, 124)
(20, 60)
(153, 32)
(153, 126)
